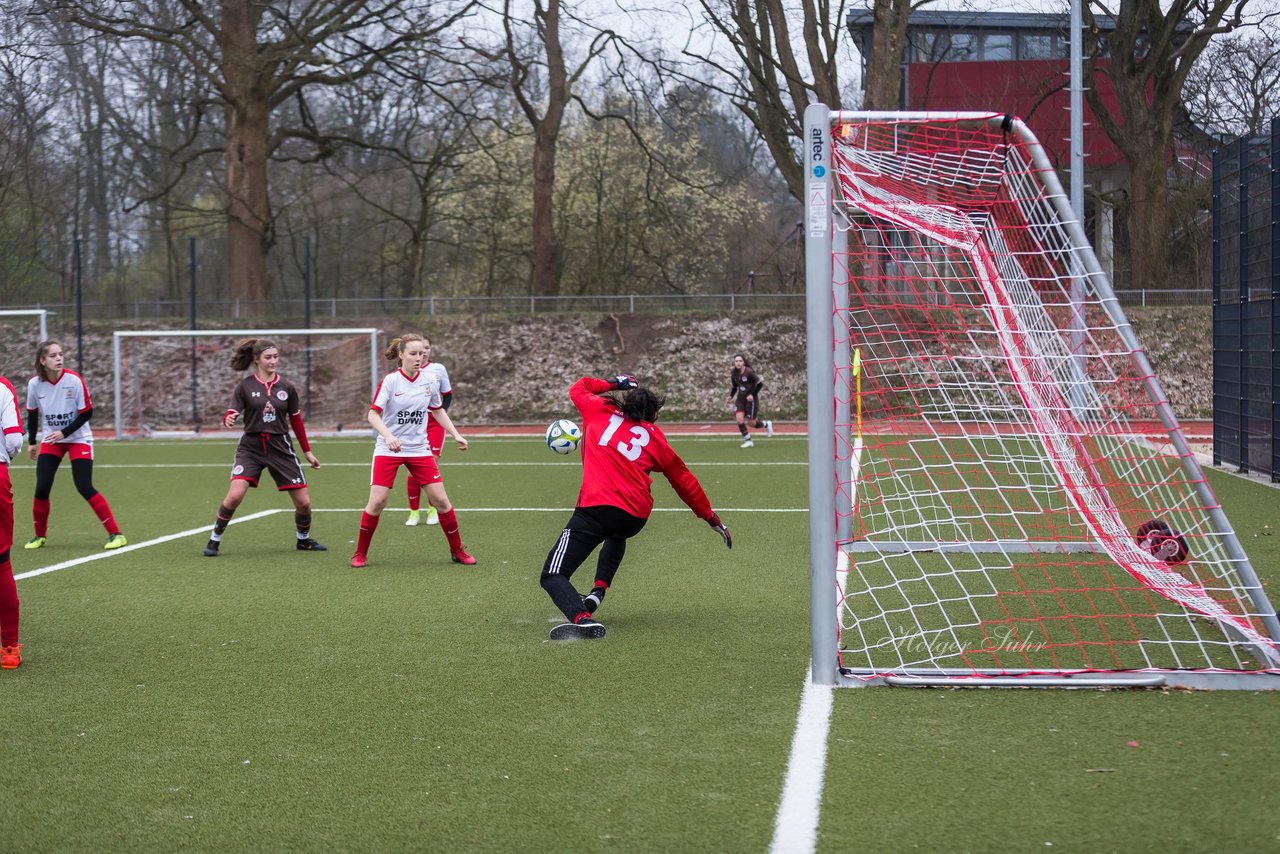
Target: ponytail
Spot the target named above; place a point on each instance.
(247, 352)
(396, 345)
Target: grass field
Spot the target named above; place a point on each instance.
(276, 700)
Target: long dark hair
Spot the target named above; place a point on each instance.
(42, 349)
(248, 351)
(738, 372)
(642, 404)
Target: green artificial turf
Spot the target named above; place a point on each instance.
(276, 700)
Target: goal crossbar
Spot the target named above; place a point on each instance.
(960, 216)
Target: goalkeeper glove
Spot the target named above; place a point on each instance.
(623, 381)
(720, 528)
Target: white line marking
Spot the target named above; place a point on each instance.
(451, 463)
(66, 564)
(795, 830)
(560, 510)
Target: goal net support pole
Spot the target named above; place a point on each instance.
(964, 213)
(40, 314)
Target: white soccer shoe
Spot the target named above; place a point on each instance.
(768, 428)
(747, 444)
(413, 519)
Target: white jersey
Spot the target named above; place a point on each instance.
(10, 423)
(404, 402)
(442, 374)
(59, 404)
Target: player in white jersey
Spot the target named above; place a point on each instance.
(399, 415)
(435, 437)
(10, 445)
(58, 404)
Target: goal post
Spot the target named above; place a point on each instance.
(40, 315)
(992, 501)
(178, 380)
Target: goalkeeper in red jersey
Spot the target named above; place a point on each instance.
(620, 447)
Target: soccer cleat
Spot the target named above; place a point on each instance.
(115, 541)
(358, 560)
(10, 656)
(768, 428)
(211, 549)
(461, 556)
(747, 444)
(412, 521)
(310, 545)
(593, 599)
(433, 516)
(36, 543)
(585, 630)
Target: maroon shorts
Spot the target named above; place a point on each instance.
(270, 451)
(421, 469)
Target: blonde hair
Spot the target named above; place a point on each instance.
(395, 347)
(42, 349)
(248, 351)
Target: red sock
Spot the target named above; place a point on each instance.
(40, 515)
(368, 524)
(100, 506)
(415, 493)
(8, 606)
(449, 524)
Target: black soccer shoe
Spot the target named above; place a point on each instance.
(310, 545)
(585, 630)
(211, 550)
(592, 600)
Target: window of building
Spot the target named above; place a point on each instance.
(1040, 46)
(997, 46)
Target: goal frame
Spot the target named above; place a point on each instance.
(824, 358)
(118, 337)
(42, 314)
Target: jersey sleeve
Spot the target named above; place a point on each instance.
(33, 394)
(83, 401)
(237, 404)
(673, 468)
(294, 401)
(445, 386)
(10, 424)
(382, 395)
(585, 394)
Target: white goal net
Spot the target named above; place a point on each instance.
(179, 381)
(1000, 501)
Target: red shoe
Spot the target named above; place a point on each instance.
(461, 556)
(11, 656)
(358, 560)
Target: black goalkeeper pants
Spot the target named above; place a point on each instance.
(604, 526)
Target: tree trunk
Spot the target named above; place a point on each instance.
(546, 246)
(1149, 222)
(250, 228)
(884, 68)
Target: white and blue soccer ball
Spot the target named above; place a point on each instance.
(563, 436)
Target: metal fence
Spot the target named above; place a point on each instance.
(1246, 303)
(324, 311)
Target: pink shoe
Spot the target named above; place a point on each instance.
(358, 560)
(461, 556)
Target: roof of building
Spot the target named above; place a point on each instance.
(858, 19)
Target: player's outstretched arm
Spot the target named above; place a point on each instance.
(721, 529)
(446, 422)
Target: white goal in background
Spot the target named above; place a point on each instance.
(985, 507)
(21, 317)
(178, 381)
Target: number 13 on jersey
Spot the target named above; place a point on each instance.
(631, 450)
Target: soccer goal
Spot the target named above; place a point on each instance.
(16, 324)
(992, 497)
(178, 382)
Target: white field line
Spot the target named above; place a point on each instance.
(795, 829)
(203, 529)
(465, 510)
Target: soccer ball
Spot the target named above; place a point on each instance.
(563, 436)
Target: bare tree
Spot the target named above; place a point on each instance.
(1152, 51)
(259, 57)
(1234, 87)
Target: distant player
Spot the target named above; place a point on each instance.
(10, 445)
(399, 415)
(744, 394)
(58, 405)
(435, 438)
(270, 407)
(620, 445)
